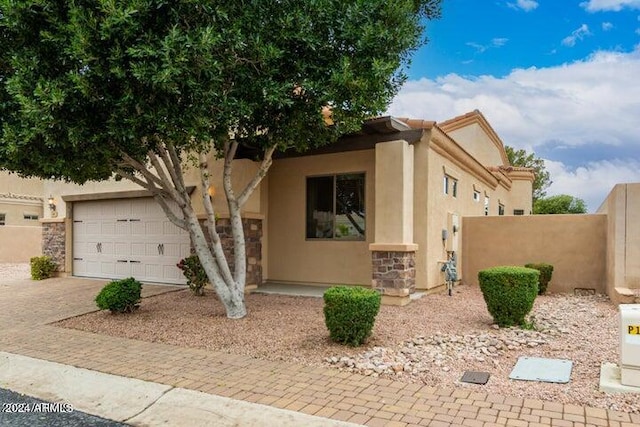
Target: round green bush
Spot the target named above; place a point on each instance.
(120, 296)
(546, 270)
(350, 312)
(509, 293)
(42, 267)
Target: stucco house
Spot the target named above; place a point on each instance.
(379, 208)
(20, 211)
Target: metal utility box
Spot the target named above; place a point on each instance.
(630, 344)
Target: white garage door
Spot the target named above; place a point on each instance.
(122, 238)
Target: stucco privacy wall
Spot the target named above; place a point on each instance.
(292, 257)
(19, 244)
(622, 207)
(576, 246)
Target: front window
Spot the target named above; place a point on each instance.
(476, 196)
(30, 217)
(336, 207)
(2, 218)
(501, 209)
(518, 211)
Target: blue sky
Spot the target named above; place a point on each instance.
(557, 77)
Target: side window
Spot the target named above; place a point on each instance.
(30, 217)
(336, 207)
(476, 196)
(500, 209)
(518, 211)
(486, 205)
(3, 218)
(450, 185)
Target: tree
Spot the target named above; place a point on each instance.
(560, 204)
(523, 159)
(91, 89)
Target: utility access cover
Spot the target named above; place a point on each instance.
(475, 377)
(541, 369)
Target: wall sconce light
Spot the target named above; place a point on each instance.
(52, 206)
(211, 191)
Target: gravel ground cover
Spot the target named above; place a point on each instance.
(434, 340)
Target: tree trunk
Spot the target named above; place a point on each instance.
(167, 184)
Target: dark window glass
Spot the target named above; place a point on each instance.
(518, 212)
(336, 207)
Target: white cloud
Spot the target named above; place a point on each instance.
(606, 26)
(576, 35)
(609, 5)
(582, 106)
(526, 5)
(593, 181)
(495, 42)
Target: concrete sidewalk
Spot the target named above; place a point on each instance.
(164, 378)
(140, 403)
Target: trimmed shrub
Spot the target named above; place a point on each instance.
(120, 296)
(42, 267)
(350, 312)
(509, 293)
(546, 270)
(194, 272)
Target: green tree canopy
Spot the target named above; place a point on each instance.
(522, 158)
(560, 204)
(89, 88)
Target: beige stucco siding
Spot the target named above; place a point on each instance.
(19, 244)
(477, 143)
(623, 238)
(575, 245)
(243, 170)
(12, 183)
(293, 258)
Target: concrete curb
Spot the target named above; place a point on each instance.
(137, 402)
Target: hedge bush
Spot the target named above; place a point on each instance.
(120, 296)
(350, 312)
(194, 272)
(546, 270)
(509, 293)
(42, 267)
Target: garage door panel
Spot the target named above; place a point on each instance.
(129, 233)
(122, 269)
(123, 227)
(137, 227)
(92, 228)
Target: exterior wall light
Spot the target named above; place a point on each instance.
(52, 206)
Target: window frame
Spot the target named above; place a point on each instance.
(450, 184)
(334, 207)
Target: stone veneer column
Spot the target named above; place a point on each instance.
(253, 240)
(54, 241)
(394, 273)
(393, 252)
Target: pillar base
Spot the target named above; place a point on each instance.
(395, 300)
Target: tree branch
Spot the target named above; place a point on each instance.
(257, 178)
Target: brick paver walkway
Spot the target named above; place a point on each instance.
(27, 307)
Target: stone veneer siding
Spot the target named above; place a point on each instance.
(53, 242)
(253, 239)
(394, 273)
